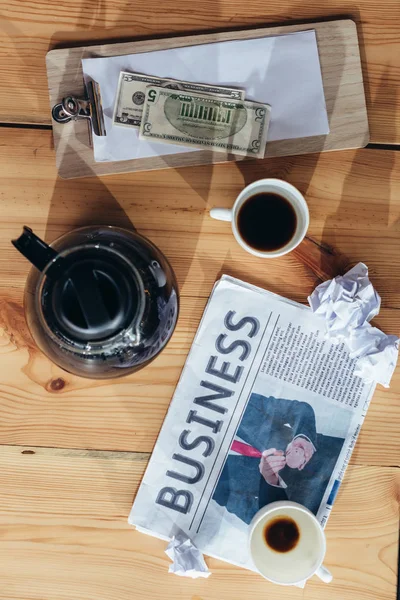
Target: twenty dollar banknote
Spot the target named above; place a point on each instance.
(132, 91)
(204, 121)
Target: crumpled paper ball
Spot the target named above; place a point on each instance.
(188, 561)
(348, 303)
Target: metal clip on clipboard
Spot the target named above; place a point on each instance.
(72, 108)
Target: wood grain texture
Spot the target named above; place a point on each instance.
(28, 30)
(342, 81)
(355, 215)
(64, 535)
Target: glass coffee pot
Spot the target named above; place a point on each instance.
(100, 301)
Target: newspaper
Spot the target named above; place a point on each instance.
(266, 409)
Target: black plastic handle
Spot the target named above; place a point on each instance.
(34, 249)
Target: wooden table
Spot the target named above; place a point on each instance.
(29, 29)
(73, 451)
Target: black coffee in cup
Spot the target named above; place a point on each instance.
(267, 222)
(281, 534)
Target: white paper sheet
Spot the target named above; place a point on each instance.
(283, 71)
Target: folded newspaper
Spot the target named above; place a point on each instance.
(266, 409)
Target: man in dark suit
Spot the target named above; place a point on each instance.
(278, 456)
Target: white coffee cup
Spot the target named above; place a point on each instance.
(300, 563)
(276, 186)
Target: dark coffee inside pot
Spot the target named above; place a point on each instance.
(101, 301)
(267, 222)
(281, 534)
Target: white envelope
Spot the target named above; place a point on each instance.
(283, 71)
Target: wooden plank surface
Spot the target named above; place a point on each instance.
(64, 535)
(355, 213)
(28, 30)
(342, 81)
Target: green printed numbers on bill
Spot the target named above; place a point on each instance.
(152, 96)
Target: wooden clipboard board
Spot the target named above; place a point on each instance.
(342, 80)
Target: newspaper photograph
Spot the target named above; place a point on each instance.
(266, 409)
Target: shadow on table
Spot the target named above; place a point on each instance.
(89, 201)
(322, 260)
(80, 202)
(341, 219)
(102, 207)
(379, 209)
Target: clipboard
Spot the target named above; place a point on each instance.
(79, 109)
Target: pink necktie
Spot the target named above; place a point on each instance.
(245, 449)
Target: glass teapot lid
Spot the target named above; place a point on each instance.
(89, 292)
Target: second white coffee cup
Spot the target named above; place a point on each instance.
(268, 186)
(301, 561)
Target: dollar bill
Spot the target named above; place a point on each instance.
(204, 121)
(132, 89)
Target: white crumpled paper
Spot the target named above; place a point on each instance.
(187, 560)
(348, 303)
